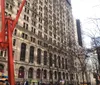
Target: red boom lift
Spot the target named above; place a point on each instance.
(7, 25)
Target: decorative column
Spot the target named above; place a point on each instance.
(35, 55)
(26, 73)
(27, 52)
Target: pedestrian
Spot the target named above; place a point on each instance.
(21, 83)
(18, 83)
(6, 82)
(26, 83)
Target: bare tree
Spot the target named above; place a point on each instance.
(93, 32)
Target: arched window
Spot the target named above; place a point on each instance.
(45, 74)
(23, 52)
(45, 57)
(63, 75)
(21, 72)
(39, 56)
(1, 68)
(38, 73)
(50, 59)
(31, 55)
(50, 74)
(55, 75)
(30, 73)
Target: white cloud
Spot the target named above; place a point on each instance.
(85, 8)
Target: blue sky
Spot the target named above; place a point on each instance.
(83, 10)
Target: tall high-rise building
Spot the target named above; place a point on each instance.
(42, 41)
(79, 33)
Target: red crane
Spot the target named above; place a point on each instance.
(7, 25)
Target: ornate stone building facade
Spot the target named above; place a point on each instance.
(42, 41)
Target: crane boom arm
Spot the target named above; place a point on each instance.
(18, 14)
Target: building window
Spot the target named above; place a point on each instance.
(1, 68)
(26, 18)
(27, 3)
(50, 74)
(66, 67)
(23, 52)
(40, 26)
(33, 23)
(71, 76)
(10, 7)
(7, 5)
(40, 14)
(6, 13)
(40, 34)
(50, 27)
(45, 37)
(40, 20)
(25, 25)
(63, 75)
(38, 73)
(18, 4)
(13, 53)
(45, 74)
(62, 63)
(50, 33)
(45, 45)
(30, 73)
(59, 75)
(39, 56)
(26, 10)
(55, 75)
(1, 53)
(15, 32)
(59, 63)
(39, 42)
(33, 39)
(34, 15)
(21, 72)
(40, 8)
(67, 76)
(50, 39)
(45, 57)
(31, 55)
(14, 42)
(25, 36)
(41, 2)
(55, 60)
(33, 30)
(50, 59)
